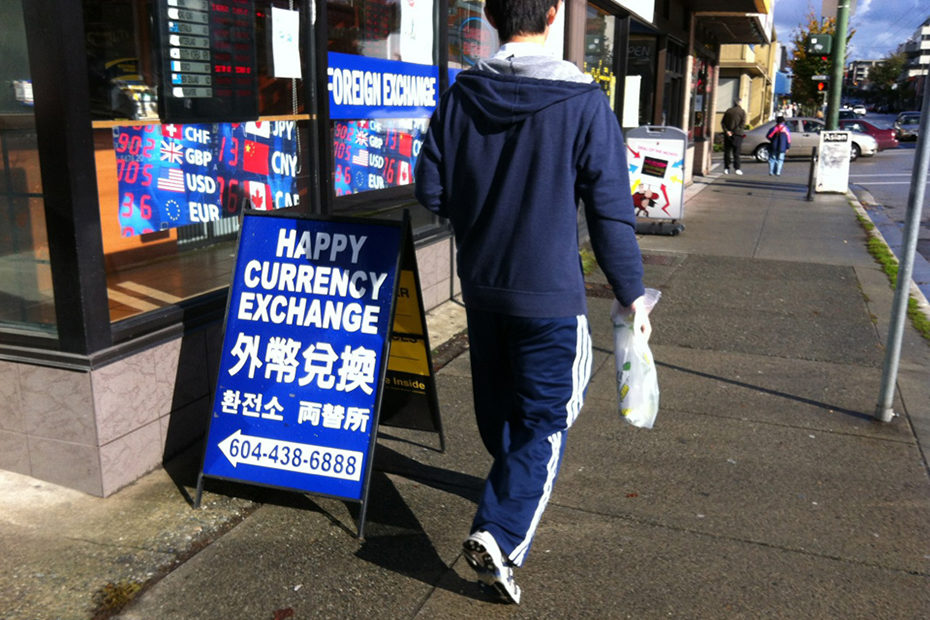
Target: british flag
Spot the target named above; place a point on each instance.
(171, 151)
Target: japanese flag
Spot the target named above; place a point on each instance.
(259, 128)
(259, 195)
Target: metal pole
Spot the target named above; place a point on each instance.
(839, 61)
(810, 177)
(915, 202)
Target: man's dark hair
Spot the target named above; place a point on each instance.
(515, 17)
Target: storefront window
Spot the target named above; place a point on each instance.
(383, 84)
(701, 74)
(672, 92)
(171, 190)
(471, 36)
(599, 61)
(642, 62)
(26, 297)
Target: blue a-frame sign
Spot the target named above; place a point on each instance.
(308, 331)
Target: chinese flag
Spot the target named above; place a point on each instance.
(259, 195)
(255, 157)
(404, 144)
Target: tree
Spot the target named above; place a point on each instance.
(884, 81)
(805, 66)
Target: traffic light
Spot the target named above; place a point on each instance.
(821, 86)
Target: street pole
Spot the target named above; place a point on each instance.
(915, 202)
(839, 61)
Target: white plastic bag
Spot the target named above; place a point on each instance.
(637, 382)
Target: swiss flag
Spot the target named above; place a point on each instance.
(259, 195)
(172, 130)
(255, 157)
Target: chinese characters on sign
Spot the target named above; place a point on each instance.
(174, 175)
(303, 354)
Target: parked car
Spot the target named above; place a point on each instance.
(859, 109)
(885, 136)
(907, 125)
(847, 113)
(805, 136)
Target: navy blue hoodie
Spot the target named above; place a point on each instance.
(506, 159)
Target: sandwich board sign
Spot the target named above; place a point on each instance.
(656, 161)
(307, 346)
(833, 161)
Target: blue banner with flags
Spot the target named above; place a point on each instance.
(174, 175)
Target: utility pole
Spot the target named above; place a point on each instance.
(839, 61)
(915, 202)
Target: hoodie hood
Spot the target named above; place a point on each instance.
(507, 90)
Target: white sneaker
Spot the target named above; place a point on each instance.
(738, 171)
(726, 171)
(483, 555)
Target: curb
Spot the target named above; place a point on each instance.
(922, 304)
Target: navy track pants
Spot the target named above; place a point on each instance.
(529, 378)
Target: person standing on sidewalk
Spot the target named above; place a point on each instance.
(780, 141)
(513, 144)
(733, 123)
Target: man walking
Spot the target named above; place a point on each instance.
(733, 123)
(513, 144)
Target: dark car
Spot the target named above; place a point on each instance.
(885, 136)
(907, 125)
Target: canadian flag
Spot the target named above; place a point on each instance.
(259, 195)
(403, 173)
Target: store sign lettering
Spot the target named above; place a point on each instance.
(366, 88)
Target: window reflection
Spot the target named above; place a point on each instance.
(26, 295)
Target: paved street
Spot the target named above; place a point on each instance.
(766, 489)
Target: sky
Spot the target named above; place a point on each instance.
(880, 24)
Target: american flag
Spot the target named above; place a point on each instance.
(171, 151)
(360, 158)
(174, 182)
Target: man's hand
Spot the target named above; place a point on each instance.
(641, 317)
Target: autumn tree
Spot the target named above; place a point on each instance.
(805, 66)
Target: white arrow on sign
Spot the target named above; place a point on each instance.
(291, 456)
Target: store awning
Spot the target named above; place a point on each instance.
(731, 27)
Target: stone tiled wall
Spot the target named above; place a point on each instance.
(435, 263)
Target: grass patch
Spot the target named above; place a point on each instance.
(889, 264)
(112, 597)
(588, 262)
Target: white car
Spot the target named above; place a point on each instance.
(805, 136)
(859, 109)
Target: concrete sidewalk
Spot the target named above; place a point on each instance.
(765, 489)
